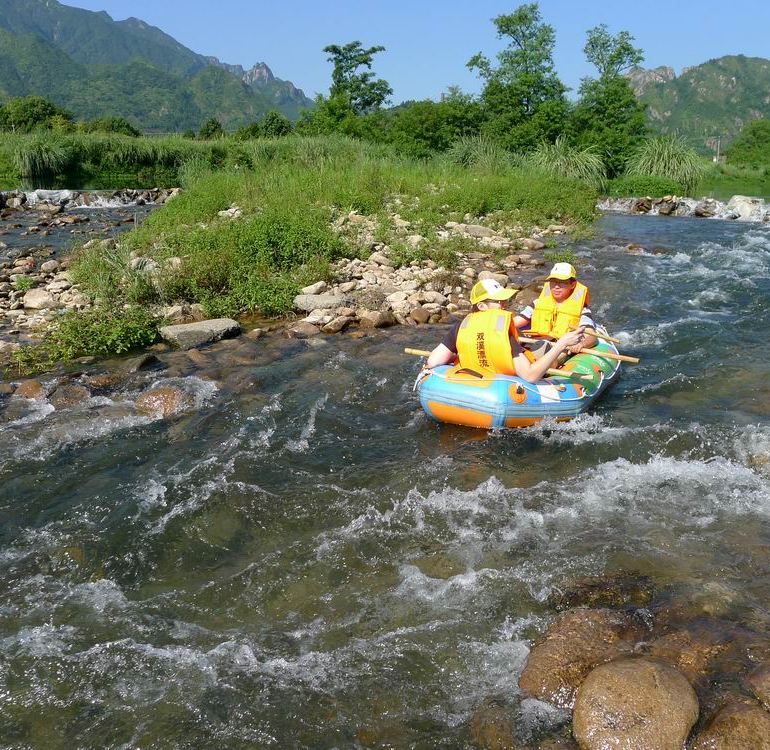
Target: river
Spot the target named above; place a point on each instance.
(304, 560)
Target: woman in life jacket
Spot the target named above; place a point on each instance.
(561, 307)
(486, 340)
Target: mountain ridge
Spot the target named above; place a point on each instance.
(90, 47)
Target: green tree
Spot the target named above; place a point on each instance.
(524, 99)
(360, 89)
(114, 124)
(274, 125)
(212, 128)
(752, 146)
(24, 114)
(608, 116)
(423, 128)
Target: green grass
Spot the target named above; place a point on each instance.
(635, 186)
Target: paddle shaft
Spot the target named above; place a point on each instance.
(551, 371)
(589, 332)
(596, 352)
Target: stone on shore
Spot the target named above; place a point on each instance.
(310, 302)
(634, 703)
(317, 288)
(188, 335)
(376, 319)
(39, 299)
(531, 244)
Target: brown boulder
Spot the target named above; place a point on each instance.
(634, 703)
(620, 590)
(303, 330)
(642, 205)
(759, 683)
(69, 394)
(737, 726)
(690, 650)
(491, 728)
(578, 641)
(376, 319)
(419, 314)
(30, 389)
(163, 401)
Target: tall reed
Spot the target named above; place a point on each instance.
(668, 156)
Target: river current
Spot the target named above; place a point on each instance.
(304, 560)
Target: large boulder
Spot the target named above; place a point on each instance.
(188, 335)
(310, 302)
(376, 319)
(40, 299)
(634, 703)
(576, 642)
(739, 725)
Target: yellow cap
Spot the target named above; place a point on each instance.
(563, 271)
(490, 289)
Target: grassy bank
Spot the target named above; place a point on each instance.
(293, 193)
(290, 194)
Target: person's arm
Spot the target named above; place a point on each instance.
(524, 318)
(441, 355)
(534, 371)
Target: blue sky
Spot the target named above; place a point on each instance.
(429, 41)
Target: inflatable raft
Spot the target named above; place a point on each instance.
(450, 394)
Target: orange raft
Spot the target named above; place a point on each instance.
(450, 394)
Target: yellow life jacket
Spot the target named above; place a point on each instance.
(552, 318)
(483, 342)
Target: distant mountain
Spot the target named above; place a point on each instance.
(95, 66)
(715, 99)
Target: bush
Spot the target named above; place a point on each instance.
(24, 283)
(560, 159)
(668, 156)
(100, 331)
(634, 186)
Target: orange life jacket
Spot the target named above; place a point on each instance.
(483, 342)
(554, 319)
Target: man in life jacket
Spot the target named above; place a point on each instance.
(561, 307)
(486, 340)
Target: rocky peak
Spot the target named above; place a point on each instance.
(641, 78)
(259, 74)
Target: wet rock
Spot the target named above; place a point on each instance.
(254, 334)
(746, 208)
(188, 335)
(667, 206)
(691, 650)
(634, 703)
(40, 299)
(491, 727)
(419, 314)
(706, 208)
(198, 358)
(69, 394)
(605, 591)
(376, 319)
(439, 566)
(142, 362)
(310, 302)
(737, 726)
(303, 330)
(642, 206)
(32, 389)
(578, 641)
(759, 684)
(6, 389)
(104, 381)
(336, 325)
(163, 401)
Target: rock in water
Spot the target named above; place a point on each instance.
(188, 335)
(578, 641)
(634, 703)
(736, 726)
(491, 728)
(163, 401)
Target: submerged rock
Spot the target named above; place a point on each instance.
(578, 641)
(690, 650)
(69, 394)
(491, 727)
(739, 725)
(163, 401)
(32, 389)
(188, 335)
(634, 703)
(605, 591)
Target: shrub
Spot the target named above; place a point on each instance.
(563, 255)
(478, 151)
(24, 283)
(643, 185)
(560, 159)
(100, 331)
(668, 156)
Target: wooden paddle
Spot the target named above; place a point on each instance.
(589, 332)
(596, 352)
(551, 371)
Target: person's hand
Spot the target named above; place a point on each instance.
(572, 339)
